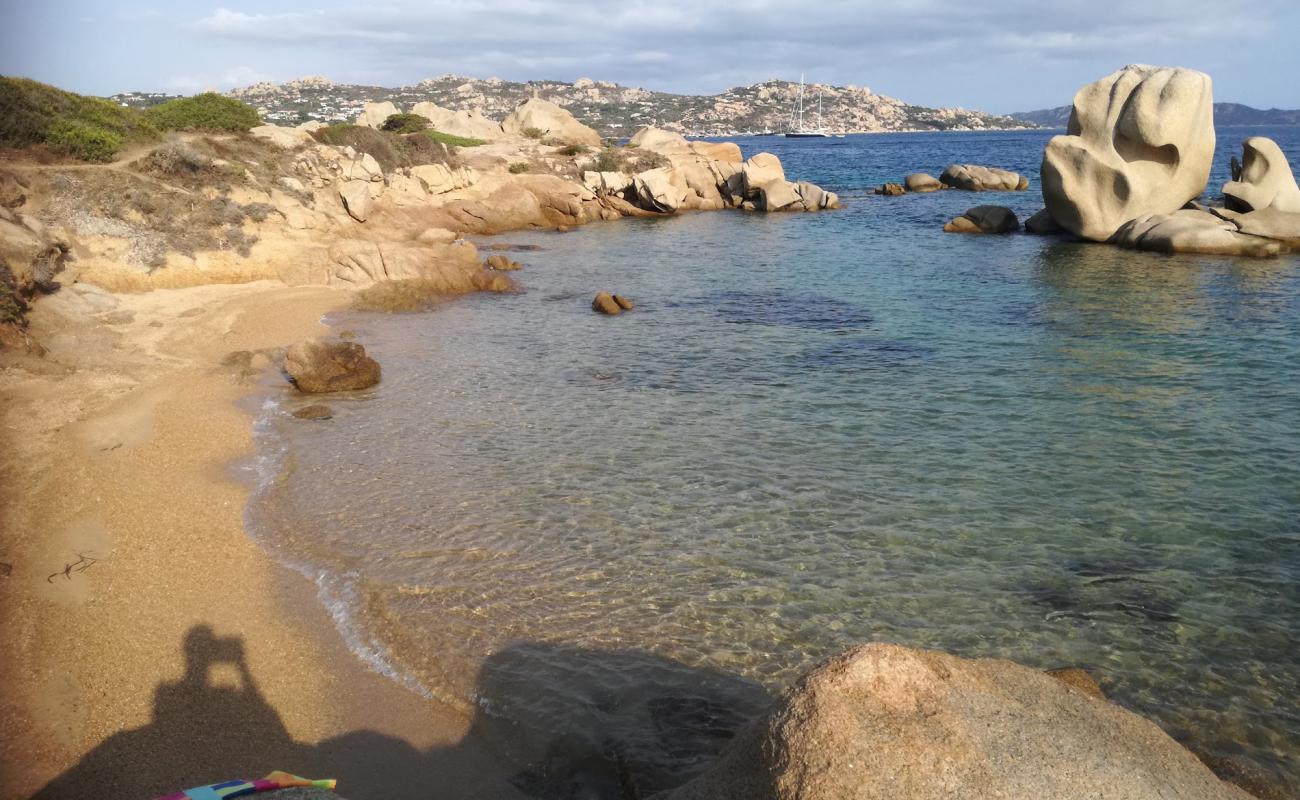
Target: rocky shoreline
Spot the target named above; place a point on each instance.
(878, 721)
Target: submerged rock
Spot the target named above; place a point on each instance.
(984, 219)
(891, 190)
(501, 263)
(330, 365)
(974, 178)
(1140, 141)
(888, 722)
(315, 411)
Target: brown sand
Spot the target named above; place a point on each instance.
(118, 447)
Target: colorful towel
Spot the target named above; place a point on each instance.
(221, 791)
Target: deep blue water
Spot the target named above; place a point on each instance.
(821, 429)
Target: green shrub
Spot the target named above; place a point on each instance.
(533, 133)
(573, 150)
(405, 123)
(607, 161)
(203, 112)
(453, 141)
(518, 167)
(391, 150)
(83, 140)
(33, 113)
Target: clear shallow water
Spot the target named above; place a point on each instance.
(817, 430)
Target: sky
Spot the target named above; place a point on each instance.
(993, 55)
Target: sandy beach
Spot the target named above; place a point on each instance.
(152, 645)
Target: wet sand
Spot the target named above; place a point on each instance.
(150, 645)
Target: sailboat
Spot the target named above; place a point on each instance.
(798, 129)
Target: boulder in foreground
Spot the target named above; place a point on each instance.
(330, 365)
(884, 722)
(1140, 141)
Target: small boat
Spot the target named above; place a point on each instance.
(799, 130)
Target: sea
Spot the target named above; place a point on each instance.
(614, 540)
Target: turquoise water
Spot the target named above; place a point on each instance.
(817, 430)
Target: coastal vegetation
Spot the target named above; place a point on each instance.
(404, 123)
(67, 124)
(95, 130)
(391, 149)
(202, 112)
(451, 140)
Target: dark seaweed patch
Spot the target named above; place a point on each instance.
(809, 311)
(863, 354)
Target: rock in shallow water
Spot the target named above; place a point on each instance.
(984, 219)
(883, 721)
(1265, 180)
(1140, 141)
(611, 304)
(330, 365)
(974, 178)
(315, 411)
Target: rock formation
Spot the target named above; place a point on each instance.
(330, 365)
(609, 304)
(1140, 141)
(974, 178)
(470, 124)
(1042, 223)
(984, 219)
(1265, 180)
(1191, 231)
(373, 115)
(283, 137)
(554, 122)
(891, 190)
(889, 722)
(922, 182)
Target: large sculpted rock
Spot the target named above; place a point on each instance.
(551, 120)
(974, 178)
(373, 115)
(885, 722)
(330, 365)
(1265, 180)
(1140, 141)
(471, 124)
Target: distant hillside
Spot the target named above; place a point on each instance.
(1224, 114)
(612, 109)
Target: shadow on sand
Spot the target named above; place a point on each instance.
(552, 722)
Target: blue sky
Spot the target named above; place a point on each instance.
(996, 55)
